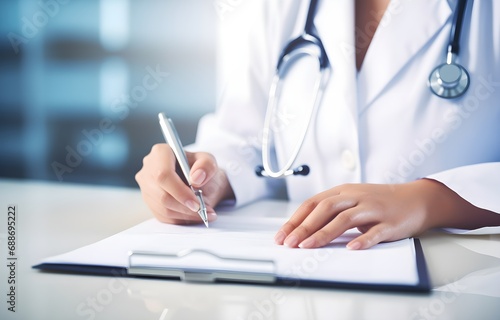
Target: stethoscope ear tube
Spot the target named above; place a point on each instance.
(307, 44)
(286, 169)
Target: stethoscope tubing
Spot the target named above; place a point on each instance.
(448, 80)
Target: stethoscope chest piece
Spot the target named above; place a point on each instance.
(449, 80)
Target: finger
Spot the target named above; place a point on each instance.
(364, 229)
(217, 189)
(169, 215)
(373, 236)
(211, 216)
(345, 220)
(161, 164)
(204, 168)
(167, 201)
(295, 220)
(322, 214)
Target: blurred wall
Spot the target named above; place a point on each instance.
(82, 81)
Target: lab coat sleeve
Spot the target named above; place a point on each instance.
(233, 134)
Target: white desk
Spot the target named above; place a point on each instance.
(53, 218)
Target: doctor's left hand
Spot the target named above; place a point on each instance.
(381, 212)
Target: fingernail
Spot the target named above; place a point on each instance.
(198, 177)
(212, 216)
(279, 237)
(353, 245)
(193, 206)
(291, 241)
(308, 243)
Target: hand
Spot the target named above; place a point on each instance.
(169, 198)
(381, 212)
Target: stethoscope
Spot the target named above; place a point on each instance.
(448, 80)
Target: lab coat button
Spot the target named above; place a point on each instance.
(348, 160)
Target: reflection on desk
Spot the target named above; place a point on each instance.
(55, 217)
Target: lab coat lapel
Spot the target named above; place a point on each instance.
(405, 28)
(334, 24)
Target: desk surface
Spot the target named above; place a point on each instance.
(53, 218)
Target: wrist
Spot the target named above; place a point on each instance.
(440, 203)
(444, 208)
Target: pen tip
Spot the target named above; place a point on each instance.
(206, 223)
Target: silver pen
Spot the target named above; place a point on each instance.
(170, 134)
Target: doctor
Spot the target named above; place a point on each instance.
(384, 153)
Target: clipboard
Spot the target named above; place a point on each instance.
(265, 265)
(228, 269)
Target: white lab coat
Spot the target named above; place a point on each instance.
(379, 125)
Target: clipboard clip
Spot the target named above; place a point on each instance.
(200, 265)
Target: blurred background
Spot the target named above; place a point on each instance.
(82, 81)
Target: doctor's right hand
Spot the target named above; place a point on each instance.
(169, 198)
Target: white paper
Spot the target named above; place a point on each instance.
(253, 238)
